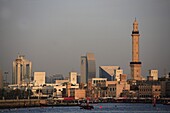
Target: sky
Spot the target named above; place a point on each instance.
(54, 34)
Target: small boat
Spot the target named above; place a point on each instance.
(88, 107)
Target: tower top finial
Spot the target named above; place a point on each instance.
(135, 25)
(135, 22)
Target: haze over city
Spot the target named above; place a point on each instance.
(54, 34)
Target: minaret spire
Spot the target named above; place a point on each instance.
(135, 64)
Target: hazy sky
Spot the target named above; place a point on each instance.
(53, 34)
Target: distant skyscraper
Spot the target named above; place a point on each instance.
(83, 69)
(135, 64)
(22, 69)
(88, 67)
(110, 72)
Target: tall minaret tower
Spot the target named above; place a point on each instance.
(135, 64)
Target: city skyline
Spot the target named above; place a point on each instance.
(54, 34)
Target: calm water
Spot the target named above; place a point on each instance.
(98, 108)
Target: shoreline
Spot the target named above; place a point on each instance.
(26, 103)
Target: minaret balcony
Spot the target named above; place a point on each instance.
(135, 62)
(135, 32)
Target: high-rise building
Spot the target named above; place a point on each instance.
(110, 72)
(39, 78)
(73, 77)
(88, 67)
(83, 69)
(154, 74)
(135, 64)
(22, 69)
(91, 66)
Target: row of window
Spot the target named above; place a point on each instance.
(149, 90)
(112, 89)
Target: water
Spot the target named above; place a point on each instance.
(98, 108)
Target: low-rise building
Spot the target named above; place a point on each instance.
(149, 89)
(96, 81)
(165, 87)
(154, 74)
(78, 93)
(113, 88)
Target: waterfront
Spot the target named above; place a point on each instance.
(100, 107)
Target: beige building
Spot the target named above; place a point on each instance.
(123, 77)
(39, 78)
(111, 89)
(96, 81)
(117, 74)
(78, 93)
(114, 89)
(135, 64)
(73, 77)
(154, 74)
(22, 69)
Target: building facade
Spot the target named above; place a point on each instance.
(154, 74)
(96, 81)
(22, 69)
(117, 74)
(135, 64)
(39, 78)
(73, 77)
(149, 89)
(88, 67)
(113, 89)
(112, 73)
(165, 87)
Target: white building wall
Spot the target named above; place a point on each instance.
(73, 77)
(39, 78)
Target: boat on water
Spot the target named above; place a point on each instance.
(88, 107)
